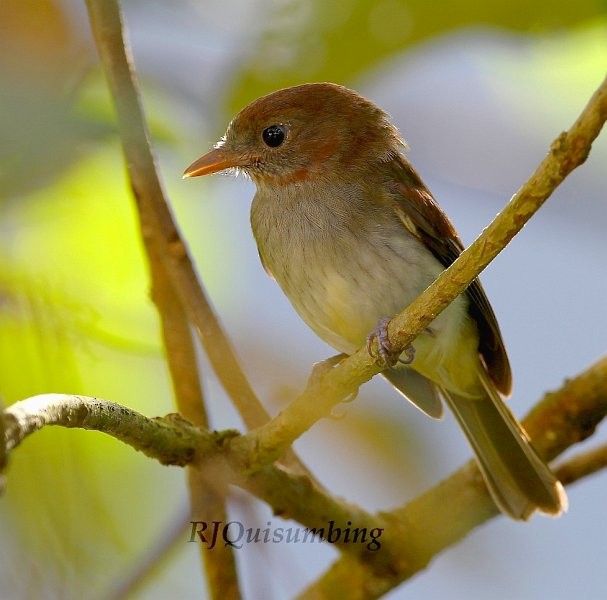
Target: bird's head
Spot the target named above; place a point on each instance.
(310, 131)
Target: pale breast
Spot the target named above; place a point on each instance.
(341, 273)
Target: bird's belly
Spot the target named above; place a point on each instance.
(342, 308)
(342, 291)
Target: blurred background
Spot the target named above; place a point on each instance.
(479, 90)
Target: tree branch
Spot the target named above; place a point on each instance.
(447, 512)
(582, 465)
(568, 151)
(171, 440)
(106, 22)
(155, 215)
(174, 441)
(412, 535)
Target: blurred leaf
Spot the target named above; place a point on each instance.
(337, 41)
(77, 245)
(75, 317)
(43, 59)
(569, 65)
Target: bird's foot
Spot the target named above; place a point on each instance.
(385, 352)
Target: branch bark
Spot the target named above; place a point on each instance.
(171, 440)
(583, 465)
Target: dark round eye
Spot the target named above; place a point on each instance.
(273, 136)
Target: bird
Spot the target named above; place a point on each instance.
(352, 235)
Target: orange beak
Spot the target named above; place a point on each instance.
(212, 162)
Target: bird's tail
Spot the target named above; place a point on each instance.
(518, 479)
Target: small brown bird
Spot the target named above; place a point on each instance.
(352, 235)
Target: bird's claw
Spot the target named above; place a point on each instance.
(409, 355)
(385, 352)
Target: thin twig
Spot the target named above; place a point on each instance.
(207, 500)
(582, 465)
(568, 151)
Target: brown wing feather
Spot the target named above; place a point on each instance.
(422, 216)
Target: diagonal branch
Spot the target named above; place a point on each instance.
(582, 465)
(157, 221)
(568, 151)
(155, 215)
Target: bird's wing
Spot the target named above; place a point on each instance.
(421, 215)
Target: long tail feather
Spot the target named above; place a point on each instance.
(518, 479)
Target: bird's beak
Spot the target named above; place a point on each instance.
(216, 160)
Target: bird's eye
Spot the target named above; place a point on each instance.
(273, 136)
